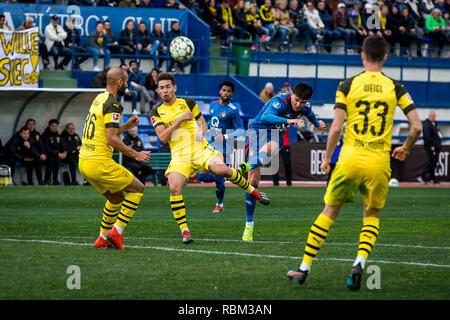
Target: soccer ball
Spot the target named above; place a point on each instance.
(393, 182)
(181, 48)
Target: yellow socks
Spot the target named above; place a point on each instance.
(179, 211)
(109, 216)
(129, 205)
(240, 181)
(316, 237)
(367, 239)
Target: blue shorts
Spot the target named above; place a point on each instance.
(255, 139)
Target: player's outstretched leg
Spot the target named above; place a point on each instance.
(109, 216)
(219, 168)
(316, 237)
(367, 239)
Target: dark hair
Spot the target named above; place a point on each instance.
(29, 120)
(228, 84)
(165, 76)
(2, 15)
(99, 22)
(142, 22)
(303, 91)
(106, 21)
(51, 121)
(123, 64)
(132, 61)
(23, 128)
(374, 47)
(173, 22)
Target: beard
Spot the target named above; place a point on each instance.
(121, 90)
(225, 99)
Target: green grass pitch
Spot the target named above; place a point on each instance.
(44, 230)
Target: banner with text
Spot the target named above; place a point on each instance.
(19, 55)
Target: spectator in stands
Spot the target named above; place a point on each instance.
(356, 23)
(53, 148)
(140, 170)
(107, 3)
(435, 29)
(225, 17)
(330, 34)
(128, 38)
(144, 43)
(20, 149)
(286, 28)
(447, 6)
(286, 88)
(35, 140)
(333, 6)
(99, 80)
(447, 24)
(399, 4)
(267, 93)
(135, 80)
(54, 41)
(159, 36)
(3, 25)
(71, 145)
(432, 142)
(384, 28)
(172, 4)
(439, 4)
(253, 17)
(245, 28)
(73, 41)
(410, 32)
(43, 52)
(314, 21)
(427, 7)
(96, 46)
(341, 23)
(268, 21)
(285, 154)
(194, 6)
(127, 4)
(111, 42)
(211, 17)
(150, 84)
(414, 7)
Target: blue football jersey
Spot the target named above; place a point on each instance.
(277, 110)
(224, 117)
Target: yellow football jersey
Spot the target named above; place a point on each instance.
(370, 99)
(182, 143)
(105, 112)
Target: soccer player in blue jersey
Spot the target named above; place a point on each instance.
(265, 135)
(225, 124)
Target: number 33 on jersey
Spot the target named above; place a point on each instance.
(370, 99)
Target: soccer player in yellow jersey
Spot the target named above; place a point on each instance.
(179, 122)
(367, 102)
(100, 138)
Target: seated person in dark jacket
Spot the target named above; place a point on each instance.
(53, 148)
(139, 169)
(71, 145)
(128, 38)
(20, 149)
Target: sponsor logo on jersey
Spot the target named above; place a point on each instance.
(153, 121)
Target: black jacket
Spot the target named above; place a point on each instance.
(72, 33)
(408, 22)
(52, 143)
(70, 143)
(134, 143)
(143, 38)
(128, 38)
(17, 151)
(431, 135)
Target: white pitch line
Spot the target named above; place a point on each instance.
(229, 253)
(260, 241)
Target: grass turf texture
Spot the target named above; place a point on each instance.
(157, 265)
